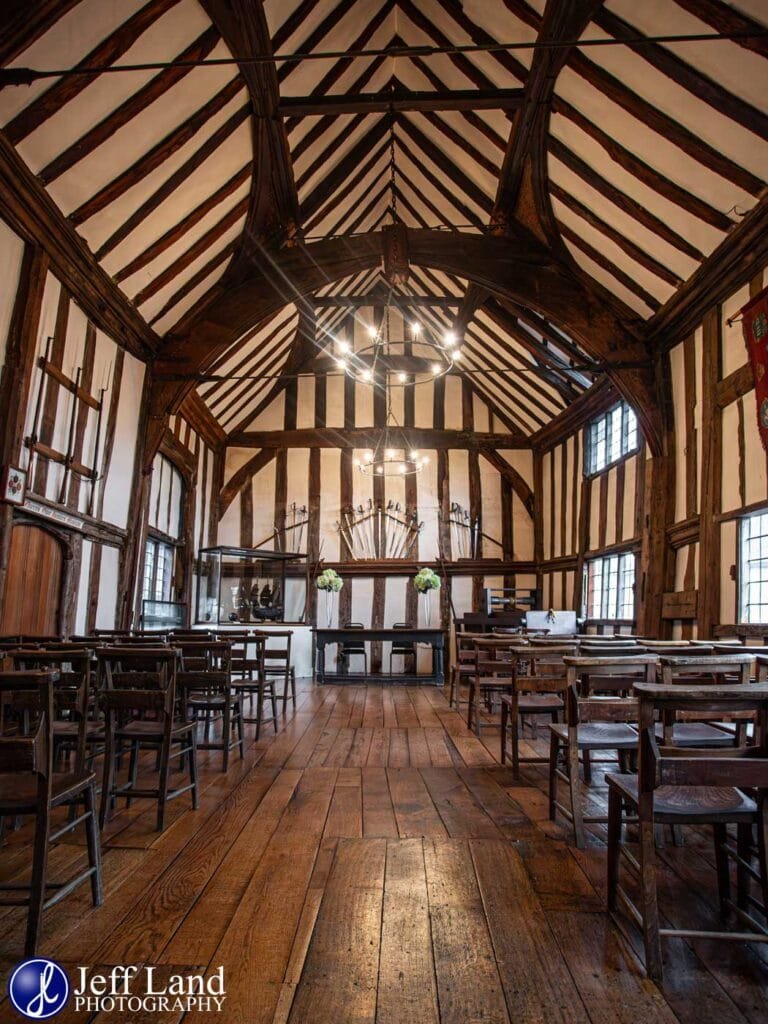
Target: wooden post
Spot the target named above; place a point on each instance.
(711, 475)
(16, 379)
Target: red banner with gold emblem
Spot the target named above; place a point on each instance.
(755, 326)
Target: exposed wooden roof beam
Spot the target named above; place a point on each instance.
(191, 283)
(368, 437)
(28, 209)
(559, 22)
(401, 100)
(725, 18)
(598, 256)
(591, 403)
(197, 248)
(175, 233)
(103, 55)
(24, 21)
(156, 156)
(648, 114)
(273, 214)
(130, 108)
(683, 74)
(374, 297)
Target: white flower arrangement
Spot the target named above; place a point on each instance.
(426, 579)
(329, 580)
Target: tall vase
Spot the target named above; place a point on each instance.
(427, 597)
(329, 596)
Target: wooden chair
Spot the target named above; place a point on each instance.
(138, 682)
(29, 785)
(593, 723)
(278, 663)
(76, 724)
(538, 688)
(463, 667)
(691, 787)
(257, 683)
(204, 682)
(353, 648)
(405, 649)
(491, 675)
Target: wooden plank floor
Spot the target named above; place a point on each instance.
(372, 862)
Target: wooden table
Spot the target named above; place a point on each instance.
(434, 637)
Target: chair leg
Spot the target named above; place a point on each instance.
(554, 751)
(109, 772)
(614, 844)
(226, 729)
(720, 836)
(37, 890)
(259, 709)
(504, 723)
(451, 686)
(193, 768)
(513, 728)
(575, 797)
(94, 845)
(133, 769)
(273, 701)
(587, 762)
(649, 906)
(162, 793)
(240, 731)
(743, 846)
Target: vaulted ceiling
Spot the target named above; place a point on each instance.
(625, 166)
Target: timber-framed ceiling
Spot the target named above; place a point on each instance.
(236, 208)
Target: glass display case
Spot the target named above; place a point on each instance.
(250, 585)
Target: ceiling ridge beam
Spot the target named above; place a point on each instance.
(129, 108)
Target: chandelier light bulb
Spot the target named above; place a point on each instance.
(402, 378)
(344, 347)
(390, 453)
(368, 457)
(416, 328)
(436, 368)
(450, 338)
(380, 469)
(456, 354)
(341, 363)
(367, 375)
(372, 332)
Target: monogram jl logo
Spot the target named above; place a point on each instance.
(39, 988)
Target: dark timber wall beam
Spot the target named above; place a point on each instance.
(29, 210)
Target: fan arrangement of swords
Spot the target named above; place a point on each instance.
(377, 531)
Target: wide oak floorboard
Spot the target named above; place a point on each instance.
(373, 863)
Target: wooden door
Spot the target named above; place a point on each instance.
(33, 593)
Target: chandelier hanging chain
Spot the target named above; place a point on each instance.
(392, 173)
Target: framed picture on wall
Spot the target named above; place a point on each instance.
(13, 485)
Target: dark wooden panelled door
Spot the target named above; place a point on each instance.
(34, 583)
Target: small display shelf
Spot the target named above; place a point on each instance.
(250, 585)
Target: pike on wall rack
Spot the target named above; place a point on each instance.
(374, 531)
(295, 520)
(51, 375)
(466, 533)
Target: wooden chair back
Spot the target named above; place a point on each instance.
(599, 688)
(138, 679)
(72, 691)
(27, 743)
(744, 767)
